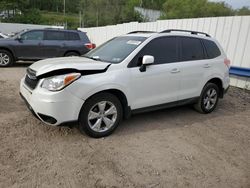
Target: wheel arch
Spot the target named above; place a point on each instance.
(219, 83)
(122, 98)
(69, 51)
(9, 50)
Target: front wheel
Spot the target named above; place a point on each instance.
(100, 115)
(208, 99)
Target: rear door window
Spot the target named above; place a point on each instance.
(212, 49)
(55, 35)
(191, 49)
(73, 36)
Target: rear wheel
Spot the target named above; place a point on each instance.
(100, 115)
(68, 54)
(208, 99)
(6, 58)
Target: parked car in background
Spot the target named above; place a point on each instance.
(3, 36)
(133, 73)
(40, 44)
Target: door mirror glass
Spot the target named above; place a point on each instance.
(18, 37)
(148, 60)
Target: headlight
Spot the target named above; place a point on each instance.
(57, 83)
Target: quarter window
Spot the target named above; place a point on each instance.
(212, 49)
(191, 49)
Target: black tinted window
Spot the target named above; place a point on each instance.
(73, 36)
(212, 49)
(191, 49)
(32, 35)
(55, 35)
(84, 37)
(163, 49)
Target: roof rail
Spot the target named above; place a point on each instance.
(141, 32)
(188, 31)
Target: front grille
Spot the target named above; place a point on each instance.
(30, 79)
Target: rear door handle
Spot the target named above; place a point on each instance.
(175, 70)
(206, 66)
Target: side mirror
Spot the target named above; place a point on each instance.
(19, 38)
(146, 60)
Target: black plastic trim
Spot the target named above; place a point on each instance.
(166, 105)
(187, 31)
(47, 119)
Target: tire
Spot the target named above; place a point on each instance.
(68, 54)
(92, 118)
(6, 58)
(208, 100)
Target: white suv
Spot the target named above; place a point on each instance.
(136, 72)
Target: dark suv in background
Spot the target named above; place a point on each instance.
(43, 43)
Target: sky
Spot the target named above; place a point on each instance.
(236, 3)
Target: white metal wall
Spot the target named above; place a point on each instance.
(233, 33)
(9, 28)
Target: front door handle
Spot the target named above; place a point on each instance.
(175, 70)
(206, 66)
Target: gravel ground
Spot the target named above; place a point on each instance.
(175, 147)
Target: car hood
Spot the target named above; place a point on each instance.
(67, 63)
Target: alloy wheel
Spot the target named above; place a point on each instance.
(4, 59)
(210, 99)
(102, 116)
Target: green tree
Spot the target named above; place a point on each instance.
(243, 11)
(195, 8)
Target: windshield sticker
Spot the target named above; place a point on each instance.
(116, 59)
(134, 42)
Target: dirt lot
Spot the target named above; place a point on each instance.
(170, 148)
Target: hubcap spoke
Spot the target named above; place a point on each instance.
(110, 111)
(213, 93)
(208, 105)
(93, 115)
(97, 125)
(101, 106)
(108, 122)
(213, 101)
(205, 100)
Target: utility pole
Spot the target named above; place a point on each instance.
(64, 8)
(80, 19)
(64, 4)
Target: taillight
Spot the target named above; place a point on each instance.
(227, 62)
(90, 46)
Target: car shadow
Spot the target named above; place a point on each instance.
(22, 64)
(182, 116)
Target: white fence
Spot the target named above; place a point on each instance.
(9, 28)
(233, 33)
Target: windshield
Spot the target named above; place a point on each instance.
(115, 50)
